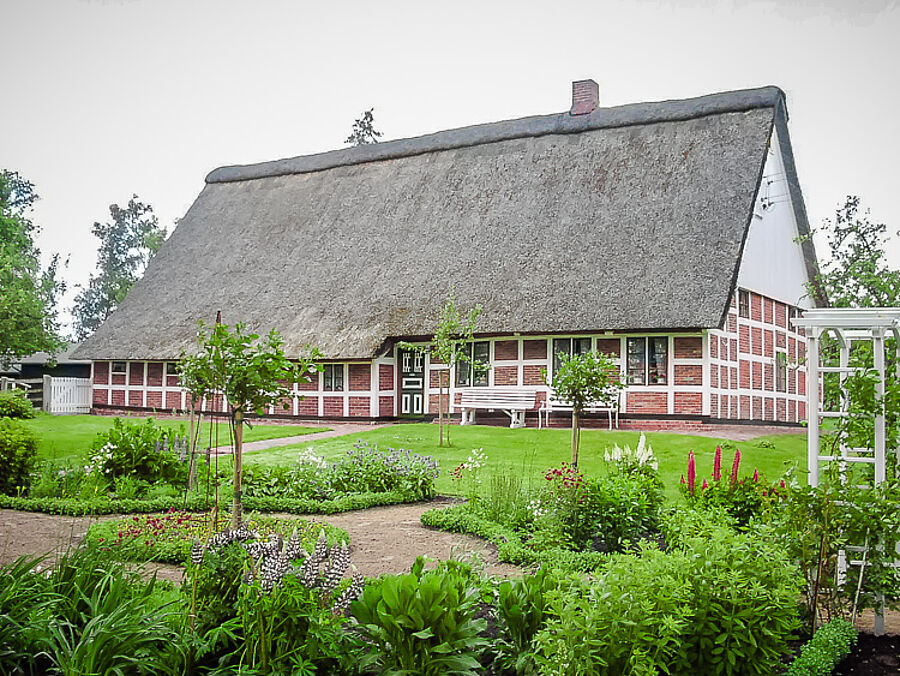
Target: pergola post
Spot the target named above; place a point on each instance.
(812, 406)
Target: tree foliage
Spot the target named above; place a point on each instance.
(251, 373)
(28, 294)
(127, 242)
(581, 380)
(857, 273)
(364, 131)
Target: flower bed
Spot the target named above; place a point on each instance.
(168, 537)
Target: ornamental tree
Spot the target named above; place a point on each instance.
(250, 372)
(455, 328)
(582, 380)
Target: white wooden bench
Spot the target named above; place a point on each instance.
(513, 403)
(552, 404)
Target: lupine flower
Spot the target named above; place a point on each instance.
(735, 466)
(692, 473)
(704, 486)
(755, 475)
(717, 464)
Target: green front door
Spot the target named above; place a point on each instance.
(412, 383)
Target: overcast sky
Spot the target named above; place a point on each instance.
(103, 99)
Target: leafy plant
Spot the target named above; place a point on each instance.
(18, 454)
(142, 450)
(420, 623)
(823, 652)
(522, 606)
(14, 404)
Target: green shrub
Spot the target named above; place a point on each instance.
(630, 620)
(420, 623)
(18, 454)
(15, 404)
(824, 651)
(744, 598)
(145, 451)
(24, 595)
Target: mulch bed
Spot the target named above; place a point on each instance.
(872, 656)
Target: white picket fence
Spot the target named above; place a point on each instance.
(67, 395)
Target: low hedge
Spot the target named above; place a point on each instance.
(510, 548)
(198, 503)
(168, 537)
(825, 650)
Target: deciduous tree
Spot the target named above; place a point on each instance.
(127, 242)
(28, 293)
(581, 380)
(364, 131)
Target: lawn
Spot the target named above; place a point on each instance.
(532, 451)
(68, 437)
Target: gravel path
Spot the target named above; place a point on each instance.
(382, 539)
(338, 430)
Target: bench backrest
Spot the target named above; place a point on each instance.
(612, 402)
(489, 398)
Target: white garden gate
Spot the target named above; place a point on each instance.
(67, 395)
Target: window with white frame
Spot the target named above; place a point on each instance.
(473, 365)
(171, 368)
(743, 303)
(333, 378)
(781, 362)
(118, 367)
(647, 361)
(569, 347)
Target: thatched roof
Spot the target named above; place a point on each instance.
(631, 217)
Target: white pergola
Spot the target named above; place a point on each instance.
(848, 326)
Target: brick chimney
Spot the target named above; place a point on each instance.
(585, 97)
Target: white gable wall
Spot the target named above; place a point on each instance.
(773, 263)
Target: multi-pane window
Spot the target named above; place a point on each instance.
(118, 367)
(568, 347)
(472, 365)
(781, 371)
(743, 303)
(333, 378)
(648, 360)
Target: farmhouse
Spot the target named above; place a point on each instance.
(665, 234)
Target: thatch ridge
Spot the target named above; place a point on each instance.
(525, 127)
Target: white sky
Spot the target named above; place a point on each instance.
(101, 100)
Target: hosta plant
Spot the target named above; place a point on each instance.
(420, 623)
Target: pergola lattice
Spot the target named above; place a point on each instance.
(848, 326)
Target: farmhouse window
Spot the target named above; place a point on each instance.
(569, 347)
(118, 367)
(780, 371)
(171, 368)
(648, 360)
(743, 303)
(333, 378)
(473, 365)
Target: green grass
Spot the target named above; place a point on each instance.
(532, 451)
(68, 437)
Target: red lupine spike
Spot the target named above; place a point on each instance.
(735, 466)
(692, 473)
(755, 475)
(717, 464)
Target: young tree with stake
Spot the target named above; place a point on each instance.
(251, 373)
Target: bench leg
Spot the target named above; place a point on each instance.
(517, 420)
(467, 417)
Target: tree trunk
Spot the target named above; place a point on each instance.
(574, 438)
(440, 410)
(236, 514)
(449, 408)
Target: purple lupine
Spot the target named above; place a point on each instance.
(717, 464)
(755, 475)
